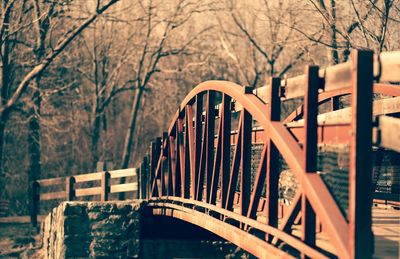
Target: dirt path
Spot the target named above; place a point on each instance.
(18, 241)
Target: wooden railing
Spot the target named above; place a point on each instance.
(70, 191)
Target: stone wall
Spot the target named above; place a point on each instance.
(92, 230)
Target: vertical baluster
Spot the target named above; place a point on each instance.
(155, 154)
(210, 117)
(179, 149)
(171, 174)
(181, 157)
(178, 177)
(164, 164)
(198, 142)
(360, 186)
(168, 164)
(202, 167)
(245, 169)
(308, 219)
(187, 148)
(259, 182)
(190, 149)
(217, 164)
(272, 170)
(226, 146)
(233, 176)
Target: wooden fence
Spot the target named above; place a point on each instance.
(72, 191)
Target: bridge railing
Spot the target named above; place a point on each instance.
(193, 175)
(68, 189)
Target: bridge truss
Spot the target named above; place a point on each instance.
(192, 174)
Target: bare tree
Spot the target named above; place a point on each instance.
(359, 29)
(107, 72)
(271, 48)
(21, 15)
(159, 26)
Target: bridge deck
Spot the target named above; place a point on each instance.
(386, 228)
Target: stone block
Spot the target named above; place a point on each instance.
(72, 208)
(92, 230)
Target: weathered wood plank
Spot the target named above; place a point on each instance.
(52, 196)
(339, 76)
(389, 133)
(80, 178)
(88, 191)
(123, 173)
(343, 116)
(126, 187)
(52, 181)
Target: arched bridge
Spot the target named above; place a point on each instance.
(192, 174)
(276, 179)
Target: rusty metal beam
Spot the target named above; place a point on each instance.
(225, 146)
(273, 113)
(198, 135)
(245, 158)
(234, 171)
(170, 202)
(308, 219)
(209, 142)
(190, 149)
(360, 175)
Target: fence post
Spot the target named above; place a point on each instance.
(360, 174)
(35, 202)
(105, 188)
(69, 188)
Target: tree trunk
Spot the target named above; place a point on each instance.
(2, 174)
(95, 139)
(34, 139)
(5, 89)
(334, 57)
(127, 150)
(128, 143)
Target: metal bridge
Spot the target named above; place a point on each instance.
(220, 164)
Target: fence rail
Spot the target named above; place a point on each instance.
(71, 191)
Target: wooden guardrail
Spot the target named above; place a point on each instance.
(71, 191)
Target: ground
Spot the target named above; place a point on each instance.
(18, 241)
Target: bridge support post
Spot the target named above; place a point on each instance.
(360, 178)
(272, 159)
(310, 146)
